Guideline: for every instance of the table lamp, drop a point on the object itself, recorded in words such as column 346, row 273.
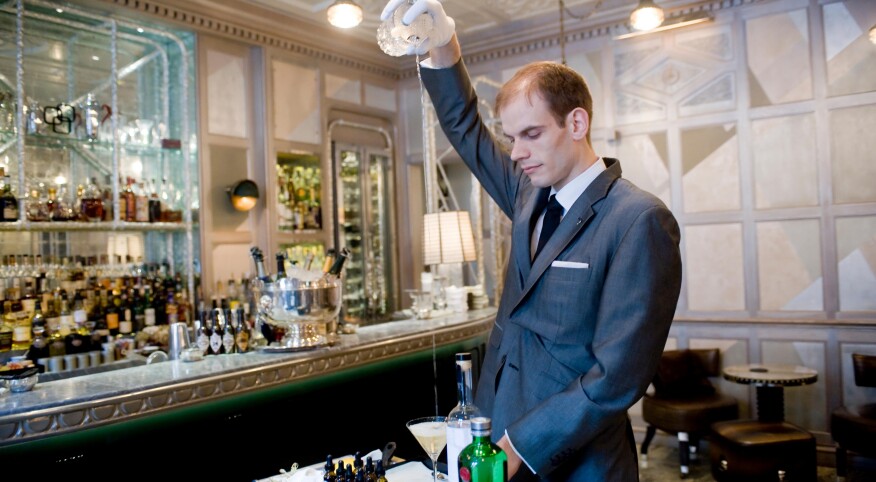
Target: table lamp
column 447, row 238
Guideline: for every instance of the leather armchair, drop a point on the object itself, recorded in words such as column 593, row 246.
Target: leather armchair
column 685, row 402
column 854, row 427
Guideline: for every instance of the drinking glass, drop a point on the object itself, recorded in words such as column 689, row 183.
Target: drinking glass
column 431, row 432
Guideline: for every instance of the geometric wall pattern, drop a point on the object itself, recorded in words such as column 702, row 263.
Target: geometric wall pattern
column 645, row 162
column 783, row 154
column 710, row 162
column 852, row 145
column 856, row 262
column 714, row 267
column 778, row 58
column 789, row 265
column 850, row 56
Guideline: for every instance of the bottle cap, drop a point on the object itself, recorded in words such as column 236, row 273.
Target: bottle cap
column 481, row 426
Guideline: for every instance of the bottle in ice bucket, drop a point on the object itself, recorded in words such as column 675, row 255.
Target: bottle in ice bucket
column 482, row 460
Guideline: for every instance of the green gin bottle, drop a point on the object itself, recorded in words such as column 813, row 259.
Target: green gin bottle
column 482, row 460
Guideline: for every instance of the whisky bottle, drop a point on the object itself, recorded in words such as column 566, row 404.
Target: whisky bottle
column 228, row 337
column 204, row 331
column 482, row 460
column 8, row 202
column 459, row 419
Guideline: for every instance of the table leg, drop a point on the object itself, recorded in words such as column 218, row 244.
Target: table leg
column 770, row 404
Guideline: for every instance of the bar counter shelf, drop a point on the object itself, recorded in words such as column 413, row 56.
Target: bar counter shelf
column 65, row 419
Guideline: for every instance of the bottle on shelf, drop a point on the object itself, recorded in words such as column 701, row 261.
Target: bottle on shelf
column 459, row 419
column 154, row 203
column 217, row 332
column 8, row 202
column 130, row 211
column 241, row 331
column 39, row 346
column 92, row 202
column 141, row 203
column 204, row 331
column 482, row 460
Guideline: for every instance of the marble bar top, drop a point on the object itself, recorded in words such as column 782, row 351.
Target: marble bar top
column 73, row 404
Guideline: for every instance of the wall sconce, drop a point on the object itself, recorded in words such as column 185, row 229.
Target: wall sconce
column 344, row 14
column 448, row 238
column 873, row 34
column 243, row 195
column 646, row 16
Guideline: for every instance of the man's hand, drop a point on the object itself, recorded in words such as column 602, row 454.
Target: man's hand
column 443, row 27
column 514, row 461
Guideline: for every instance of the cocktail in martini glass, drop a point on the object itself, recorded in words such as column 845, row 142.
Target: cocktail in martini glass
column 431, row 432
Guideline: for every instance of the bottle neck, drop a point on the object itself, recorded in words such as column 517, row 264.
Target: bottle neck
column 464, row 392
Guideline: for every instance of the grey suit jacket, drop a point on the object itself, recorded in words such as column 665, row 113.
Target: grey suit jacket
column 572, row 347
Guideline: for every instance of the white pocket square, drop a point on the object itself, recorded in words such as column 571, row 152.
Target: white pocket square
column 569, row 264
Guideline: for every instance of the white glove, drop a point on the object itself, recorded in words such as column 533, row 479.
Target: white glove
column 443, row 26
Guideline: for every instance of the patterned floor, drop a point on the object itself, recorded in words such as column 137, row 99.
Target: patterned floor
column 663, row 467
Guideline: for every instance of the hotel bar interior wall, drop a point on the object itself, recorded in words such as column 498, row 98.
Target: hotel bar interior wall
column 753, row 128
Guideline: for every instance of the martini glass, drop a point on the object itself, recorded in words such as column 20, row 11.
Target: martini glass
column 431, row 432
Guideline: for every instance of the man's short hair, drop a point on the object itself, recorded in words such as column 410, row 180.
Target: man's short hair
column 562, row 88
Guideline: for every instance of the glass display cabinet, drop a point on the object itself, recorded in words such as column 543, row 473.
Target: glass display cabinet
column 97, row 139
column 364, row 197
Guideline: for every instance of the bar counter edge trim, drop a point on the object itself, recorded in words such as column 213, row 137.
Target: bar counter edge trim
column 26, row 426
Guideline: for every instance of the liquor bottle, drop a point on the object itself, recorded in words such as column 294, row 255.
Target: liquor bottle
column 6, row 330
column 482, row 460
column 112, row 316
column 39, row 347
column 92, row 202
column 338, row 265
column 281, row 266
column 57, row 346
column 328, row 470
column 228, row 336
column 154, row 204
column 130, row 212
column 8, row 202
column 141, row 203
column 370, row 474
column 459, row 419
column 259, row 260
column 218, row 331
column 21, row 329
column 204, row 332
column 241, row 331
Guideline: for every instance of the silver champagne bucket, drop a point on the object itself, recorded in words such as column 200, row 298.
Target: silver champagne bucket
column 300, row 315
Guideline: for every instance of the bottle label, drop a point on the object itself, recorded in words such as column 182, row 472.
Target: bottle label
column 112, row 321
column 457, row 439
column 80, row 316
column 150, row 316
column 215, row 342
column 203, row 342
column 228, row 342
column 21, row 334
column 125, row 327
column 242, row 341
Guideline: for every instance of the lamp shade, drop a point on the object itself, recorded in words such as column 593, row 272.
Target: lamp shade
column 448, row 238
column 243, row 195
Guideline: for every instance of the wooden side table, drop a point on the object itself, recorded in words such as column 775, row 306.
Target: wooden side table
column 770, row 382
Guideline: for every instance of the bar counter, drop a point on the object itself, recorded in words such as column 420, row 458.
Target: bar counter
column 63, row 418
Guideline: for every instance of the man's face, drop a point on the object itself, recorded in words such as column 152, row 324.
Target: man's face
column 544, row 150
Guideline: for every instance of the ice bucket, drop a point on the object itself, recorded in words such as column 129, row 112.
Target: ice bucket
column 300, row 314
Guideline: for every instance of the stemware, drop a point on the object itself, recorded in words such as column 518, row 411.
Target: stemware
column 431, row 432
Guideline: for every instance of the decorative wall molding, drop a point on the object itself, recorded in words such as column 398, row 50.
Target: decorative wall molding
column 209, row 21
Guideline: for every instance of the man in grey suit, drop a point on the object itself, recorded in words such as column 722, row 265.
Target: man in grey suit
column 586, row 310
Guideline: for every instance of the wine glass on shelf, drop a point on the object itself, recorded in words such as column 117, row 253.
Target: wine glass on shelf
column 431, row 432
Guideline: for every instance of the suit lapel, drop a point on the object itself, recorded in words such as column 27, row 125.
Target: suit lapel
column 523, row 230
column 575, row 220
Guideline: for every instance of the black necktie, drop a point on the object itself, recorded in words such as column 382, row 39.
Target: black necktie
column 551, row 220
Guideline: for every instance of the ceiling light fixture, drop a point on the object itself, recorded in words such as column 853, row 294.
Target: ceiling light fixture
column 344, row 14
column 673, row 23
column 647, row 16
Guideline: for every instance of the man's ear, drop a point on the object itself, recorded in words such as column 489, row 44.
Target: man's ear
column 578, row 123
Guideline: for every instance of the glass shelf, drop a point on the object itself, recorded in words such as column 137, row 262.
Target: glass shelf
column 86, row 226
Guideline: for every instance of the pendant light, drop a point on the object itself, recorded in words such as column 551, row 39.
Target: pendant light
column 646, row 16
column 344, row 14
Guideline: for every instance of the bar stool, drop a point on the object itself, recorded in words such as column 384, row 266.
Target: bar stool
column 769, row 448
